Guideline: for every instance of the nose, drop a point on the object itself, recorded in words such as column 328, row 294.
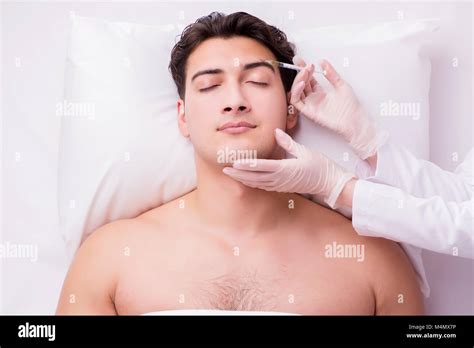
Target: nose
column 235, row 103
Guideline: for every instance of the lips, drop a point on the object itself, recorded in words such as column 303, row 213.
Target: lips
column 241, row 124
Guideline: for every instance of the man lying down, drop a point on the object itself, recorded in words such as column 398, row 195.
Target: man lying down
column 226, row 246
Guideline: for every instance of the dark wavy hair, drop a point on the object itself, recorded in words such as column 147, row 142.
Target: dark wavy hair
column 218, row 24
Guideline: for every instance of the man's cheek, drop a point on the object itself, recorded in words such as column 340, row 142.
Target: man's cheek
column 277, row 121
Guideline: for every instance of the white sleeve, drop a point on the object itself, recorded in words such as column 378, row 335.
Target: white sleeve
column 398, row 167
column 429, row 223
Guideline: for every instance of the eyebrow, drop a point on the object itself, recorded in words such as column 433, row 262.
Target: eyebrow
column 248, row 66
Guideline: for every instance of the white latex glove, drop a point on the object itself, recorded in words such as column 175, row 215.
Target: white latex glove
column 338, row 109
column 308, row 173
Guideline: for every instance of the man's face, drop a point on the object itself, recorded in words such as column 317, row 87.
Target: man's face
column 233, row 99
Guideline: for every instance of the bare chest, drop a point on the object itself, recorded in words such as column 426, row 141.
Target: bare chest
column 299, row 287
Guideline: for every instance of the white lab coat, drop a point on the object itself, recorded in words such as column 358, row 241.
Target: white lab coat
column 413, row 201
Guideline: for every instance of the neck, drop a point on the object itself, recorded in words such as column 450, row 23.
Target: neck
column 233, row 208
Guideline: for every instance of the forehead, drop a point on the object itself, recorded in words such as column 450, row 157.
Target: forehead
column 226, row 53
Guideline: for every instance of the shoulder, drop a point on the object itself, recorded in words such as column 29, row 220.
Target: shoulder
column 383, row 259
column 102, row 250
column 390, row 275
column 156, row 225
column 112, row 234
column 155, row 220
column 325, row 220
column 90, row 282
column 382, row 263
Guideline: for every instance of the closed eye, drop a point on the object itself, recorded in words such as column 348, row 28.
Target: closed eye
column 259, row 83
column 207, row 88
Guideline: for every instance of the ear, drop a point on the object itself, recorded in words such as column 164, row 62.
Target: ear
column 183, row 127
column 292, row 114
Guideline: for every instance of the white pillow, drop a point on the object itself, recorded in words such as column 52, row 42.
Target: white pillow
column 121, row 153
column 387, row 67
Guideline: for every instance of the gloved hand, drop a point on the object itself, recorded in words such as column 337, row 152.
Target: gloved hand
column 308, row 173
column 338, row 109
